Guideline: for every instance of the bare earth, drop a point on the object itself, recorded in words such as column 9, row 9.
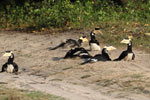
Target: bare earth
column 46, row 71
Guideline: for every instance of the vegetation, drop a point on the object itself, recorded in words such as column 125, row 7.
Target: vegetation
column 64, row 13
column 118, row 18
column 14, row 94
column 114, row 32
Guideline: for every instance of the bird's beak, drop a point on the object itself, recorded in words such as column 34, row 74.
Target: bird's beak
column 109, row 48
column 84, row 39
column 7, row 54
column 126, row 41
column 98, row 32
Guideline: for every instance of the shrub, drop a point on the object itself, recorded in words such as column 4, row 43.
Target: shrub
column 60, row 14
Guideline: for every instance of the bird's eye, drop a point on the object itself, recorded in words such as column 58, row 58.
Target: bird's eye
column 129, row 44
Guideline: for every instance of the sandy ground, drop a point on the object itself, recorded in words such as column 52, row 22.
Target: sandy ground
column 46, row 71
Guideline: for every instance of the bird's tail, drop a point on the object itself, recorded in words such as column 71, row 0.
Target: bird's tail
column 1, row 71
column 117, row 59
column 66, row 56
column 58, row 46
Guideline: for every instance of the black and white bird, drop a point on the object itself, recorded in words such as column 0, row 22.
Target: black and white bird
column 101, row 57
column 77, row 52
column 9, row 66
column 71, row 43
column 128, row 54
column 93, row 43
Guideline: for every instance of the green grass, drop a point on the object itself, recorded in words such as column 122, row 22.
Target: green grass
column 117, row 22
column 114, row 32
column 14, row 94
column 64, row 14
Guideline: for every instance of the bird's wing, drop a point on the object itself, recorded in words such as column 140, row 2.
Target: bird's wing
column 84, row 55
column 4, row 67
column 133, row 57
column 15, row 67
column 69, row 54
column 58, row 46
column 122, row 56
column 99, row 57
column 97, row 42
column 72, row 43
column 89, row 60
column 75, row 53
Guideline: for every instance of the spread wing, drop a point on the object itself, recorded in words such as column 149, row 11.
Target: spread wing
column 58, row 46
column 77, row 52
column 69, row 42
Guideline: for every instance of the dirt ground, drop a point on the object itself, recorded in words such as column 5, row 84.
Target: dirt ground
column 46, row 71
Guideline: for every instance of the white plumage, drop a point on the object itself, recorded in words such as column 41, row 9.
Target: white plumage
column 94, row 46
column 129, row 57
column 10, row 68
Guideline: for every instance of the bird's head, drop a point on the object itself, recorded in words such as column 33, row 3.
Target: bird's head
column 126, row 40
column 92, row 33
column 83, row 38
column 8, row 53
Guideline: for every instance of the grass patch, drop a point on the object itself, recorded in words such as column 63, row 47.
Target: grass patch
column 79, row 14
column 136, row 76
column 114, row 32
column 14, row 94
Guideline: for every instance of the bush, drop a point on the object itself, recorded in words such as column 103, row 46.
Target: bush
column 60, row 14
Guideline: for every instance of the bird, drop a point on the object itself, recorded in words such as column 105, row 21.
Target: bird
column 93, row 43
column 77, row 52
column 10, row 66
column 100, row 57
column 128, row 54
column 71, row 43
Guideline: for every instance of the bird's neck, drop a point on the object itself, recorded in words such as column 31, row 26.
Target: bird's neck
column 93, row 37
column 80, row 42
column 105, row 54
column 11, row 59
column 129, row 47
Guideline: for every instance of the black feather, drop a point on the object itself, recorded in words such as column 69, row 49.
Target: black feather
column 77, row 52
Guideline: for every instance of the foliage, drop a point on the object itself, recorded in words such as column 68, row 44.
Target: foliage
column 63, row 13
